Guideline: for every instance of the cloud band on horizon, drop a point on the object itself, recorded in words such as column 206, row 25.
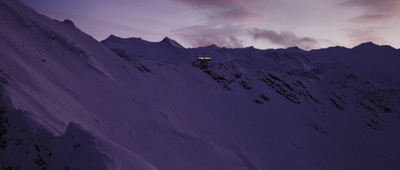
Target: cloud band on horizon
column 234, row 36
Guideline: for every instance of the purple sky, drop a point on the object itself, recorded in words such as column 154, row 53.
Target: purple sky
column 235, row 23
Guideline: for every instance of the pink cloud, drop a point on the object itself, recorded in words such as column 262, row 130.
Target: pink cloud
column 198, row 36
column 372, row 4
column 227, row 10
column 212, row 3
column 239, row 13
column 367, row 34
column 374, row 10
column 370, row 17
column 232, row 37
column 286, row 39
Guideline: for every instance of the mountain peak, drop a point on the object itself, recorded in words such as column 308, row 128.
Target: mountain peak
column 171, row 42
column 211, row 46
column 112, row 36
column 370, row 45
column 366, row 45
column 69, row 22
column 250, row 47
column 166, row 39
column 294, row 48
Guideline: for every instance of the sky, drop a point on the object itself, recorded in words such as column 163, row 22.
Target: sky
column 263, row 24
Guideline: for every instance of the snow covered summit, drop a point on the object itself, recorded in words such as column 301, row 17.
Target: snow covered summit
column 167, row 50
column 172, row 42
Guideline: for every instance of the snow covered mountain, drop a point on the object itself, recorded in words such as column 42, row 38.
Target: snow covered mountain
column 71, row 102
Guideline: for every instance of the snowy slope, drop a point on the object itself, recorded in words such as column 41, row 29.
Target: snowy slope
column 144, row 105
column 48, row 67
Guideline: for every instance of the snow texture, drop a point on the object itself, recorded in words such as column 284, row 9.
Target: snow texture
column 71, row 102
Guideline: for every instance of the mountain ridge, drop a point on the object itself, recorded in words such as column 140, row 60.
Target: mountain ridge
column 369, row 44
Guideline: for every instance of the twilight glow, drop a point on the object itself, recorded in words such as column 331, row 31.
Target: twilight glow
column 263, row 24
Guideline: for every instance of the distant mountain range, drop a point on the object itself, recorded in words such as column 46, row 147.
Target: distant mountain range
column 71, row 102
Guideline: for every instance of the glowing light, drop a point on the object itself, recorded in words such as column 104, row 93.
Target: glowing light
column 204, row 58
